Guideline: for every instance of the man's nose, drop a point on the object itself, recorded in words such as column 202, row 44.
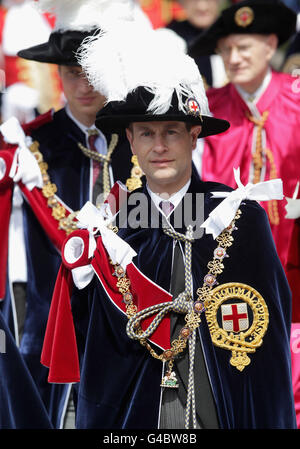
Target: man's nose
column 234, row 56
column 84, row 86
column 159, row 144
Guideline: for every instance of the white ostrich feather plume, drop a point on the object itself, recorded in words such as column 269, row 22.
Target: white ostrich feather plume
column 83, row 15
column 127, row 56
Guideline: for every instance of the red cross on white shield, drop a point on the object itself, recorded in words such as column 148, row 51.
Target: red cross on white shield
column 235, row 317
column 193, row 106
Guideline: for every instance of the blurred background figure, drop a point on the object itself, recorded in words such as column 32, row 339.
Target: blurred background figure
column 28, row 87
column 259, row 102
column 291, row 63
column 280, row 60
column 161, row 12
column 200, row 15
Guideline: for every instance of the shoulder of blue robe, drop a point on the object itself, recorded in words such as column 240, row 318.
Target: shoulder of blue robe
column 54, row 134
column 39, row 121
column 58, row 137
column 21, row 404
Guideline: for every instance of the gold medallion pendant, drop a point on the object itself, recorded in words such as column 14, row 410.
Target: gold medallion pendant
column 169, row 380
column 238, row 318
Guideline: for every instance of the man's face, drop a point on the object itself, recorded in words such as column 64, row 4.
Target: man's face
column 83, row 101
column 201, row 13
column 164, row 152
column 246, row 57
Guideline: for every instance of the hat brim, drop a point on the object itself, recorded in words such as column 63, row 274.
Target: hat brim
column 116, row 124
column 60, row 49
column 44, row 53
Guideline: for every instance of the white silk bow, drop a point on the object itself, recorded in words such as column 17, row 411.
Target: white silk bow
column 293, row 205
column 221, row 217
column 93, row 219
column 24, row 167
column 119, row 251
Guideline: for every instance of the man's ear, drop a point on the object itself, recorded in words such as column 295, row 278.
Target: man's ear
column 272, row 43
column 129, row 135
column 195, row 131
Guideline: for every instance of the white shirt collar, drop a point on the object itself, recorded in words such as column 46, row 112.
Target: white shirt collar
column 255, row 96
column 101, row 144
column 80, row 125
column 174, row 199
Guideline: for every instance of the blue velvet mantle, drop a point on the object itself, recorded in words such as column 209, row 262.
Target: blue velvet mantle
column 69, row 169
column 120, row 381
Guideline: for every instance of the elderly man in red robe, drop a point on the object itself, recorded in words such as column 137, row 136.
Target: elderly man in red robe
column 262, row 105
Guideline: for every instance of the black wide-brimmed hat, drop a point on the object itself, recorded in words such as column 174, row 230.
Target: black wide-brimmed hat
column 247, row 17
column 60, row 49
column 117, row 115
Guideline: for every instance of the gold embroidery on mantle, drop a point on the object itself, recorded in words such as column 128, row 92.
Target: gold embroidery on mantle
column 49, row 189
column 209, row 300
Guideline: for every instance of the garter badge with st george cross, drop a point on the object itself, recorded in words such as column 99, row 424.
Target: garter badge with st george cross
column 193, row 107
column 238, row 318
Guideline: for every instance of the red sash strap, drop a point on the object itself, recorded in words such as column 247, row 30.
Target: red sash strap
column 117, row 196
column 43, row 213
column 145, row 293
column 6, row 190
column 35, row 199
column 59, row 351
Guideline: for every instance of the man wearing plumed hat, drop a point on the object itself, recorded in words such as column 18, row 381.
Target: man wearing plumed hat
column 180, row 307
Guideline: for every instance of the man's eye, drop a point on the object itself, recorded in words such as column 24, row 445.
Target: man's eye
column 243, row 47
column 74, row 73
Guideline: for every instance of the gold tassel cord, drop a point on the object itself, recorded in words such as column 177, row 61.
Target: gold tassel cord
column 258, row 163
column 66, row 222
column 103, row 159
column 132, row 183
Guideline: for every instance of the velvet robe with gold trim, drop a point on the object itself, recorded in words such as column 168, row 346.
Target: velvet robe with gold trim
column 120, row 381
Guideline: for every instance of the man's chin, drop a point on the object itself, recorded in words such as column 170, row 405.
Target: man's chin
column 164, row 174
column 90, row 109
column 240, row 78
